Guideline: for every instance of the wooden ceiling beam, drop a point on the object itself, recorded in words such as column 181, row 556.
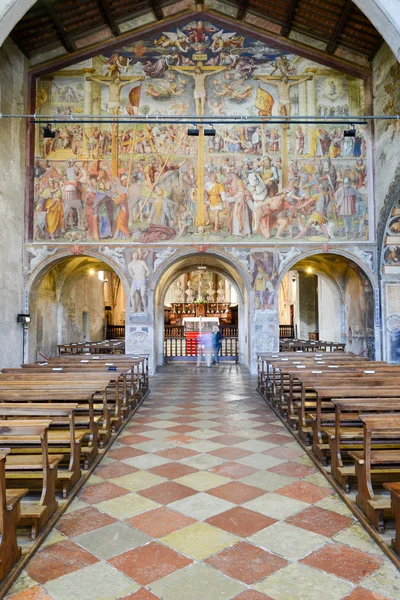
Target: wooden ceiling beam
column 109, row 17
column 289, row 18
column 66, row 42
column 156, row 8
column 333, row 42
column 242, row 10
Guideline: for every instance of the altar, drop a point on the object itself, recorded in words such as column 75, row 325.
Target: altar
column 191, row 330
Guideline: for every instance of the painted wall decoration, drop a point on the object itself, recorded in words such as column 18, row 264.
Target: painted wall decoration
column 152, row 183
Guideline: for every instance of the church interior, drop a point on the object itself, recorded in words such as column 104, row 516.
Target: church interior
column 200, row 300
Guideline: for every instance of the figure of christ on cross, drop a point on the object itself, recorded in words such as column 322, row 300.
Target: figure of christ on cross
column 115, row 84
column 283, row 84
column 199, row 74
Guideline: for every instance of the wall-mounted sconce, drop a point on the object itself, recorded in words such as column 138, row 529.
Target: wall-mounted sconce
column 23, row 318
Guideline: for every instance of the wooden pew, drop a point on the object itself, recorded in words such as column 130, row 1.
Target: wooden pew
column 32, row 470
column 394, row 489
column 98, row 382
column 347, row 434
column 10, row 513
column 98, row 430
column 61, row 440
column 325, row 394
column 377, row 466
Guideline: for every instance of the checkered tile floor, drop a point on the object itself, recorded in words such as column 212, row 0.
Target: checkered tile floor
column 206, row 495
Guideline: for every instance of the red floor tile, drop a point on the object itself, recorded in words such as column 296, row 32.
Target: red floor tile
column 230, row 453
column 139, row 429
column 149, row 563
column 293, row 469
column 361, row 593
column 172, row 470
column 281, row 451
column 122, row 453
column 252, row 595
column 233, row 470
column 32, row 593
column 241, row 521
column 167, row 492
column 117, row 469
column 319, row 520
column 304, row 491
column 278, row 439
column 344, row 562
column 182, row 428
column 142, row 594
column 246, row 562
column 177, row 453
column 57, row 560
column 229, row 439
column 83, row 520
column 269, row 428
column 99, row 492
column 226, row 428
column 130, row 440
column 160, row 522
column 236, row 492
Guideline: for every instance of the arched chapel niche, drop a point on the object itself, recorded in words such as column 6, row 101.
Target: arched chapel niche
column 331, row 295
column 71, row 300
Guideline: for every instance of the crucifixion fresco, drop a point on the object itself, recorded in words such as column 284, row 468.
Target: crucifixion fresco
column 152, row 183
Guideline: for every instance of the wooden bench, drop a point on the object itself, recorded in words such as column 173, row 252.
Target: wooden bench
column 10, row 513
column 31, row 470
column 63, row 439
column 348, row 388
column 377, row 466
column 394, row 489
column 347, row 433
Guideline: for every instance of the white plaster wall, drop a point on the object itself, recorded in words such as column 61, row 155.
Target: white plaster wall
column 328, row 312
column 13, row 68
column 44, row 321
column 85, row 295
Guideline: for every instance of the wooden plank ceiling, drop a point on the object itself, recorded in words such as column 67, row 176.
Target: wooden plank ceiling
column 332, row 26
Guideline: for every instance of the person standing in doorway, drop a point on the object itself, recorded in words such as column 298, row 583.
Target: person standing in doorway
column 206, row 343
column 217, row 343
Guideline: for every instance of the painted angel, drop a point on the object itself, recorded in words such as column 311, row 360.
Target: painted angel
column 222, row 41
column 116, row 65
column 170, row 39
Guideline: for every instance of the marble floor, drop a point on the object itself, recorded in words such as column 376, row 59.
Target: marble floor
column 206, row 496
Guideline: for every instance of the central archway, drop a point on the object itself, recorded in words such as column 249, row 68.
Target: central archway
column 218, row 261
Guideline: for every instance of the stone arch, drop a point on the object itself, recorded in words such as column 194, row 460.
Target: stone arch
column 363, row 271
column 78, row 269
column 220, row 261
column 34, row 278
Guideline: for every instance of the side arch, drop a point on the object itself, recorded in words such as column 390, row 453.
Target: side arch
column 371, row 287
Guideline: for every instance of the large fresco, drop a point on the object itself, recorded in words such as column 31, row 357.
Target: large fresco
column 152, row 183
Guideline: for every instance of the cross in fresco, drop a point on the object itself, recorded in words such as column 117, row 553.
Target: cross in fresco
column 200, row 72
column 283, row 85
column 115, row 84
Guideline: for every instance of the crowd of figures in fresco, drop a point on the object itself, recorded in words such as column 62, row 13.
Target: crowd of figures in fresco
column 142, row 182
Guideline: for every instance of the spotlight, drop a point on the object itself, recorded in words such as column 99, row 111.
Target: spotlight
column 350, row 132
column 47, row 132
column 309, row 270
column 193, row 131
column 209, row 130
